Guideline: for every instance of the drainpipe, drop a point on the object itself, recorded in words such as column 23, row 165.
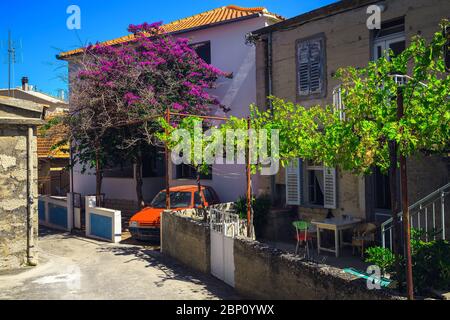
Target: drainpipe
column 270, row 92
column 72, row 193
column 269, row 67
column 30, row 199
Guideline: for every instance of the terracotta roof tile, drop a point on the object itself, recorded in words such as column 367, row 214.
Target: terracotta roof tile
column 46, row 141
column 208, row 18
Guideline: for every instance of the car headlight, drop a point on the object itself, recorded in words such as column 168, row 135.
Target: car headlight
column 134, row 224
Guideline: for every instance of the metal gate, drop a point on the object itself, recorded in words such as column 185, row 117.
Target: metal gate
column 225, row 226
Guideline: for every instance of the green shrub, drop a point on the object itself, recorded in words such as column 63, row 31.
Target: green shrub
column 241, row 207
column 430, row 262
column 382, row 257
column 261, row 208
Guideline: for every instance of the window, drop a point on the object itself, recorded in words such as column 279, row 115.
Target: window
column 177, row 200
column 315, row 183
column 198, row 201
column 203, row 50
column 208, row 196
column 311, row 76
column 310, row 184
column 184, row 171
column 124, row 169
column 382, row 190
column 153, row 165
column 391, row 36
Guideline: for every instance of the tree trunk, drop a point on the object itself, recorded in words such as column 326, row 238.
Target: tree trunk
column 394, row 205
column 139, row 181
column 98, row 180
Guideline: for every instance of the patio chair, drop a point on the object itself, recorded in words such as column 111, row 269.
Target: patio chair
column 363, row 235
column 303, row 235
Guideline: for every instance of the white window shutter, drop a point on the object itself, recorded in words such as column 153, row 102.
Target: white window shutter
column 329, row 176
column 294, row 173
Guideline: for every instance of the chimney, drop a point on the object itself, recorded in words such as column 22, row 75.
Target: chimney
column 25, row 83
column 62, row 94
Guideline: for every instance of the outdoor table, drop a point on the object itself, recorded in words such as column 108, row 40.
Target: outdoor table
column 338, row 225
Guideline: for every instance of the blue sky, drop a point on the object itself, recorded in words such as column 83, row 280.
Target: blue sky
column 40, row 27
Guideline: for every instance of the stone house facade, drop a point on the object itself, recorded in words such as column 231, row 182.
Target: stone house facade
column 337, row 36
column 18, row 181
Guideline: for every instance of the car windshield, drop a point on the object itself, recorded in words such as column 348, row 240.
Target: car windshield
column 177, row 200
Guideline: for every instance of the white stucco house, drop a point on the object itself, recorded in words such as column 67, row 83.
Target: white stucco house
column 219, row 37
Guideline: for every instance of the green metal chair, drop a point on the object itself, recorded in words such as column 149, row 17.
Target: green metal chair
column 302, row 229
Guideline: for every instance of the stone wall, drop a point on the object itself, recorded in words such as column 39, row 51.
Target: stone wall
column 187, row 241
column 262, row 272
column 13, row 195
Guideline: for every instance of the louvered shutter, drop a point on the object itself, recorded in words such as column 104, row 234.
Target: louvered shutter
column 315, row 66
column 303, row 68
column 329, row 176
column 310, row 66
column 294, row 174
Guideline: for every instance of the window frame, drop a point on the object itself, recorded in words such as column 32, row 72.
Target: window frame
column 306, row 176
column 385, row 42
column 319, row 36
column 390, row 37
column 203, row 43
column 179, row 167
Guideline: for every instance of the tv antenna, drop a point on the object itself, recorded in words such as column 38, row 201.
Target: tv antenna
column 12, row 53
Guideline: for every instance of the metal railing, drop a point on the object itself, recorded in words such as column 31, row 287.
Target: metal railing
column 427, row 214
column 337, row 102
column 227, row 223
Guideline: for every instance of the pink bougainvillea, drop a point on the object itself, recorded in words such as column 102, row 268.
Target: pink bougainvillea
column 151, row 72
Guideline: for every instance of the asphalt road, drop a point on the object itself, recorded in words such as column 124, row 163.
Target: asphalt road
column 76, row 268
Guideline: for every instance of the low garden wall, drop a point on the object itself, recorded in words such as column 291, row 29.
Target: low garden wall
column 262, row 272
column 101, row 223
column 186, row 240
column 53, row 212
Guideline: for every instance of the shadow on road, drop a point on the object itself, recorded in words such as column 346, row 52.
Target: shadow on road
column 150, row 254
column 171, row 269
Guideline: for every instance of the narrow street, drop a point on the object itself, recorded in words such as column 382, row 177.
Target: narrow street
column 75, row 268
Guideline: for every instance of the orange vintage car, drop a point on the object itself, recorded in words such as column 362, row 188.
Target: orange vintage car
column 145, row 225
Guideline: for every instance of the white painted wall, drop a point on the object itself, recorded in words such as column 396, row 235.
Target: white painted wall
column 230, row 54
column 115, row 188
